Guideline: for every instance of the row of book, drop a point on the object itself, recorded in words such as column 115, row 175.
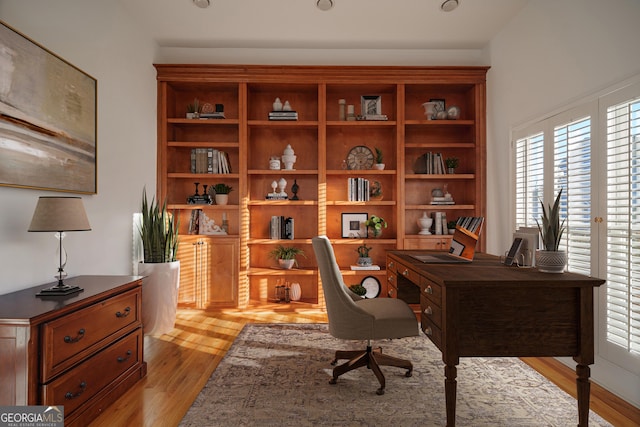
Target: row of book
column 440, row 223
column 358, row 190
column 281, row 227
column 471, row 223
column 430, row 163
column 283, row 115
column 209, row 160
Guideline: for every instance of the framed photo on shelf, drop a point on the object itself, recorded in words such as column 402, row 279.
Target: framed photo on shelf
column 353, row 225
column 371, row 105
column 440, row 104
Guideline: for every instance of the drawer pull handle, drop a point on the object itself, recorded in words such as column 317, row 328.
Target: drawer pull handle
column 391, row 264
column 428, row 310
column 70, row 340
column 428, row 290
column 405, row 272
column 390, row 293
column 68, row 395
column 390, row 279
column 124, row 359
column 428, row 331
column 127, row 311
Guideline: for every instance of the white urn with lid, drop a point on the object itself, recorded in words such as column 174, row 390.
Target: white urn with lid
column 424, row 222
column 288, row 157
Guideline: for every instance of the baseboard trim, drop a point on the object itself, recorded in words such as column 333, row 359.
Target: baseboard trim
column 612, row 408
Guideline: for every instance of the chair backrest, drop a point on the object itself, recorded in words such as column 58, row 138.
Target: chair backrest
column 346, row 319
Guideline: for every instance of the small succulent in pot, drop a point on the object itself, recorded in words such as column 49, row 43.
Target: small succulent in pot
column 551, row 229
column 287, row 253
column 222, row 188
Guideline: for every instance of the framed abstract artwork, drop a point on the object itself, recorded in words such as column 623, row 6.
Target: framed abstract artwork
column 353, row 225
column 48, row 114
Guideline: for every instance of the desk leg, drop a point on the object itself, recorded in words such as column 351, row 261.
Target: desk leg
column 450, row 384
column 583, row 391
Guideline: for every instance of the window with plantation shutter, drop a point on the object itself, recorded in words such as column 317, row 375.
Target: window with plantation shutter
column 623, row 226
column 529, row 179
column 572, row 174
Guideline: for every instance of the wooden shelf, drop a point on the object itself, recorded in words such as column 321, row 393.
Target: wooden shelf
column 321, row 142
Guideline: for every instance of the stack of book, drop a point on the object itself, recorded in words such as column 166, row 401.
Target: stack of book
column 283, row 115
column 442, row 200
column 358, row 190
column 214, row 115
column 209, row 160
column 281, row 228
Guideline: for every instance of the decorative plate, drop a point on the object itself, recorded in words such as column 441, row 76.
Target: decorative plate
column 372, row 285
column 360, row 157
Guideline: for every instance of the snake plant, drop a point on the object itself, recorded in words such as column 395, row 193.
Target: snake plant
column 551, row 229
column 158, row 231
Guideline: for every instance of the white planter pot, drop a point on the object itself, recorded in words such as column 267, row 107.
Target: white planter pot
column 551, row 261
column 379, row 166
column 159, row 296
column 296, row 291
column 286, row 264
column 222, row 199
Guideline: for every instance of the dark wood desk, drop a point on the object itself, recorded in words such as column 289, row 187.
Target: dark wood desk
column 486, row 309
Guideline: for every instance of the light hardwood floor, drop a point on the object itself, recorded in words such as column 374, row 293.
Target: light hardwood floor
column 180, row 363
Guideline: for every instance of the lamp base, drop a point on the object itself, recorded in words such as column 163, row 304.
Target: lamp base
column 58, row 290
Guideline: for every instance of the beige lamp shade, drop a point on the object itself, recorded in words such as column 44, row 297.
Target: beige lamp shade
column 59, row 214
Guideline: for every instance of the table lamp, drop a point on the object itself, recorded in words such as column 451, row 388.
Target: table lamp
column 60, row 214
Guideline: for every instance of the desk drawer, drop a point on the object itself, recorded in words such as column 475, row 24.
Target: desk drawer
column 431, row 311
column 431, row 330
column 431, row 291
column 81, row 383
column 391, row 265
column 407, row 273
column 67, row 340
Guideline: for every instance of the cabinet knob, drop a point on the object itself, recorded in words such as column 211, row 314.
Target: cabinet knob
column 390, row 292
column 405, row 272
column 390, row 279
column 428, row 331
column 391, row 264
column 428, row 311
column 124, row 359
column 428, row 290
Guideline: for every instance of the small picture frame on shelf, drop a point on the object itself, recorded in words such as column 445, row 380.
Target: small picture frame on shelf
column 353, row 225
column 371, row 105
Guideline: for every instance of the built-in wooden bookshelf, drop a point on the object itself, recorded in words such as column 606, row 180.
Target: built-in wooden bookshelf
column 321, row 141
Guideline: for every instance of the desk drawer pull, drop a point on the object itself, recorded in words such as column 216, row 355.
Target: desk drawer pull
column 405, row 272
column 390, row 279
column 391, row 265
column 69, row 395
column 428, row 290
column 78, row 337
column 428, row 311
column 127, row 311
column 124, row 359
column 390, row 293
column 428, row 331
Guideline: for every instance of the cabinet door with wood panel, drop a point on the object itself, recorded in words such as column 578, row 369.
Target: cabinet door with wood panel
column 208, row 271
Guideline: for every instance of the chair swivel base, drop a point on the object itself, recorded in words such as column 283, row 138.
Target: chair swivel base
column 372, row 359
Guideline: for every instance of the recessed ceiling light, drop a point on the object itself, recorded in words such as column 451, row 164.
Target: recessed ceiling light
column 324, row 4
column 449, row 5
column 201, row 3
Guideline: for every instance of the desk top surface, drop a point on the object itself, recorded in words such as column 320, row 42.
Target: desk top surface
column 486, row 270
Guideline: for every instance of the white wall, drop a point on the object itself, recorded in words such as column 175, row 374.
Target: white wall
column 552, row 54
column 100, row 39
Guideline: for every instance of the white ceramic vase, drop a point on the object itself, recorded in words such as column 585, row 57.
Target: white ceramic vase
column 424, row 222
column 296, row 292
column 286, row 264
column 222, row 199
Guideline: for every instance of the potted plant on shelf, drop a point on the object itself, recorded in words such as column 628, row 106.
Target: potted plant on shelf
column 364, row 259
column 193, row 110
column 158, row 231
column 286, row 256
column 379, row 159
column 551, row 259
column 451, row 226
column 375, row 224
column 221, row 193
column 452, row 164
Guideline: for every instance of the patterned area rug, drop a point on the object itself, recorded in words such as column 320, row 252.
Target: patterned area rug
column 278, row 375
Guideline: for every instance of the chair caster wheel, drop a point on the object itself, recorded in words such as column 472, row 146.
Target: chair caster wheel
column 333, row 362
column 408, row 374
column 333, row 381
column 380, row 391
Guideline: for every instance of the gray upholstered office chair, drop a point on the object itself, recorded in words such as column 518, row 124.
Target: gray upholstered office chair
column 354, row 318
